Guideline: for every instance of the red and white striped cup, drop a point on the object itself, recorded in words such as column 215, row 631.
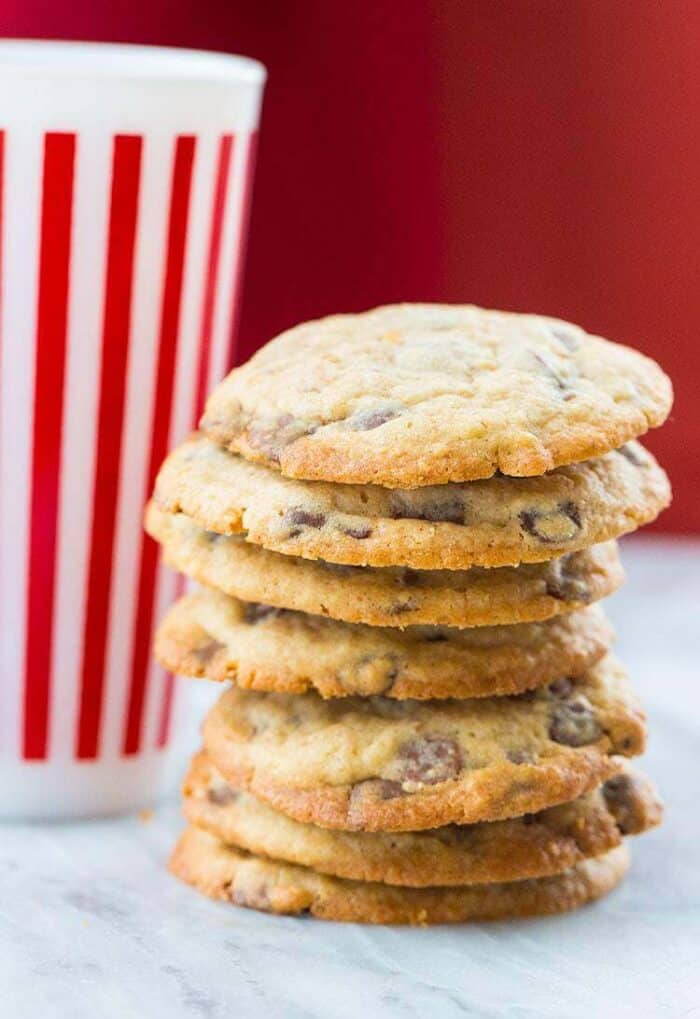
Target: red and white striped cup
column 125, row 176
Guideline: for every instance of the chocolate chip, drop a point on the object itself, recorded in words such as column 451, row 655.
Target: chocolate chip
column 527, row 696
column 552, row 526
column 464, row 835
column 435, row 636
column 409, row 577
column 564, row 583
column 222, row 795
column 631, row 454
column 574, row 724
column 519, row 756
column 298, row 517
column 446, row 511
column 550, row 372
column 569, row 340
column 371, row 418
column 619, row 796
column 561, row 687
column 375, row 789
column 205, row 652
column 341, row 568
column 254, row 612
column 359, row 532
column 428, row 760
column 272, row 436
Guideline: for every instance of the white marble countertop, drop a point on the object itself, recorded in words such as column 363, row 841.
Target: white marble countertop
column 91, row 925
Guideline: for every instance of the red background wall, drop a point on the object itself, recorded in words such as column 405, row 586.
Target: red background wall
column 530, row 155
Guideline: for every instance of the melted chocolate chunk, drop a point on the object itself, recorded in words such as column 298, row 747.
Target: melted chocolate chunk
column 375, row 789
column 409, row 577
column 444, row 511
column 619, row 796
column 574, row 724
column 428, row 760
column 551, row 374
column 563, row 582
column 519, row 756
column 435, row 637
column 552, row 526
column 360, row 532
column 525, row 695
column 213, row 537
column 271, row 437
column 368, row 420
column 205, row 652
column 561, row 687
column 254, row 612
column 299, row 518
column 222, row 795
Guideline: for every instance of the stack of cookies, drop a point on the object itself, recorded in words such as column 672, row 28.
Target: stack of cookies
column 403, row 522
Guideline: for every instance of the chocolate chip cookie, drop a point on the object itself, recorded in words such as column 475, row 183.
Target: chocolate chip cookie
column 500, row 521
column 388, row 596
column 377, row 764
column 209, row 634
column 536, row 845
column 230, row 875
column 411, row 395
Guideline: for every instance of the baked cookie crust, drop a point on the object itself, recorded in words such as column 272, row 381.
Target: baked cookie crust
column 418, row 394
column 500, row 521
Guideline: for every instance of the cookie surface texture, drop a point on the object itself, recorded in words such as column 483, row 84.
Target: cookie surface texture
column 386, row 596
column 497, row 522
column 536, row 845
column 380, row 765
column 211, row 635
column 411, row 395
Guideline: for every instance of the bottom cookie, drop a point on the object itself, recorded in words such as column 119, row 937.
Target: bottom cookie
column 232, row 875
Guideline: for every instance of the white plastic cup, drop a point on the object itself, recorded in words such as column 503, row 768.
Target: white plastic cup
column 125, row 176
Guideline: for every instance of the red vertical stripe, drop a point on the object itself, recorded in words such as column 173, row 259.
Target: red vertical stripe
column 211, row 281
column 126, row 170
column 239, row 263
column 51, row 330
column 166, row 707
column 212, row 269
column 165, row 382
column 218, row 212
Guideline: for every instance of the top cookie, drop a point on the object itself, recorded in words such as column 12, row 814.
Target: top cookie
column 411, row 395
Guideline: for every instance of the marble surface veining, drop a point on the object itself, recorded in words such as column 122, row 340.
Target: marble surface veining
column 91, row 925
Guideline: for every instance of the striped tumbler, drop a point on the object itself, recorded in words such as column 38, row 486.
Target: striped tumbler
column 125, row 177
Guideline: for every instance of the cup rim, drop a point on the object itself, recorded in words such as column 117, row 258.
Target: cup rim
column 126, row 61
